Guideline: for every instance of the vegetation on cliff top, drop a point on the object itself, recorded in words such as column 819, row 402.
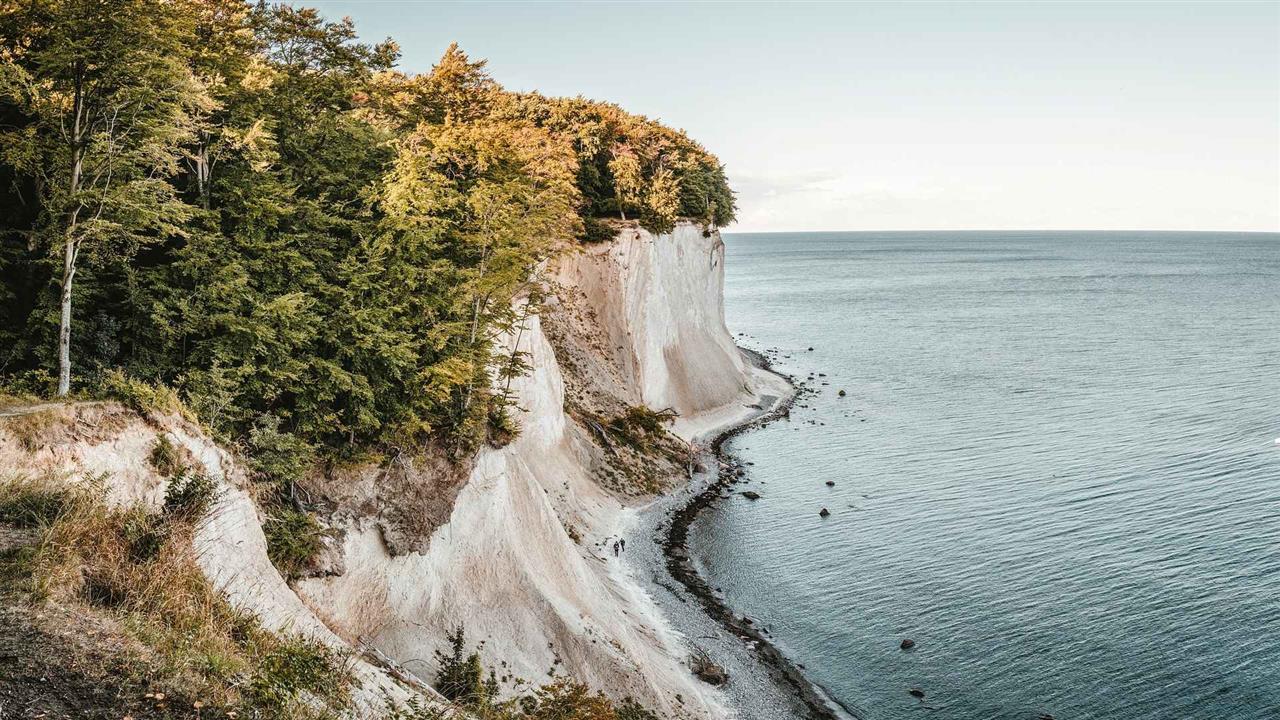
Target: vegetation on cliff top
column 244, row 202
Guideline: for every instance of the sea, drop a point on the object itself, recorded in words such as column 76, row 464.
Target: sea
column 1054, row 468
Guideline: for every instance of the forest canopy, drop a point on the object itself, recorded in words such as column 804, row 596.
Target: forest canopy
column 247, row 204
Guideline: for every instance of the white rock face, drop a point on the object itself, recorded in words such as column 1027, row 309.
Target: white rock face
column 505, row 564
column 661, row 301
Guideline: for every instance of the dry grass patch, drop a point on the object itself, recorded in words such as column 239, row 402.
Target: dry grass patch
column 35, row 430
column 136, row 566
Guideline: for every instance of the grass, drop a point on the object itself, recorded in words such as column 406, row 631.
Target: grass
column 137, row 567
column 33, row 430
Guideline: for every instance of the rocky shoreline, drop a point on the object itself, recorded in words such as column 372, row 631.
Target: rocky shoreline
column 674, row 543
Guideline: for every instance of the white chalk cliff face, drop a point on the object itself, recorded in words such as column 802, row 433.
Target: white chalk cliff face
column 660, row 302
column 505, row 564
column 524, row 561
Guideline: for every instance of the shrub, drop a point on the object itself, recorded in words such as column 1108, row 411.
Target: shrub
column 137, row 394
column 164, row 456
column 566, row 699
column 629, row 709
column 28, row 387
column 278, row 457
column 639, row 426
column 298, row 665
column 294, row 539
column 596, row 230
column 461, row 677
column 190, row 495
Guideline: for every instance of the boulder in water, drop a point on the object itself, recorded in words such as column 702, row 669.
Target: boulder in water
column 916, row 693
column 907, row 643
column 824, row 512
column 751, row 494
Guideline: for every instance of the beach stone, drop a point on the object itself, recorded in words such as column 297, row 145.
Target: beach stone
column 907, row 644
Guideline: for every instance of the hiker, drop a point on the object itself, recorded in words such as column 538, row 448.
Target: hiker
column 615, row 548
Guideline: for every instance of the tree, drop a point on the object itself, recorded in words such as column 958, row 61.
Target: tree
column 111, row 98
column 489, row 201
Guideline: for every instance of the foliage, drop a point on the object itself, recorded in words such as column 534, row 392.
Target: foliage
column 294, row 666
column 164, row 456
column 462, row 678
column 639, row 426
column 190, row 495
column 139, row 395
column 294, row 539
column 244, row 210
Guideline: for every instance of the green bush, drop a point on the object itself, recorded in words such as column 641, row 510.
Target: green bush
column 295, row 666
column 142, row 396
column 639, row 426
column 164, row 456
column 629, row 709
column 190, row 495
column 277, row 457
column 294, row 539
column 462, row 677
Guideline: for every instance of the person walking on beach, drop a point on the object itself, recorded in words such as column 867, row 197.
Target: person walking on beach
column 615, row 548
column 622, row 542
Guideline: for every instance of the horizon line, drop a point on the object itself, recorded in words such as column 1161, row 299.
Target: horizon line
column 918, row 230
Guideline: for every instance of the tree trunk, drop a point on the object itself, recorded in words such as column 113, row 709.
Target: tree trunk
column 69, row 253
column 64, row 330
column 204, row 171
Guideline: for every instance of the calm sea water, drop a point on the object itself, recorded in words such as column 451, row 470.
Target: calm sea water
column 1055, row 470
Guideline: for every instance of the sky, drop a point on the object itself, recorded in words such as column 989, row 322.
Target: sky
column 915, row 116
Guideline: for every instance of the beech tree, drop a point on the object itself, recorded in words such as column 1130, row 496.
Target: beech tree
column 110, row 98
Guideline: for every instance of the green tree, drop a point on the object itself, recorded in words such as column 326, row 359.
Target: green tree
column 111, row 100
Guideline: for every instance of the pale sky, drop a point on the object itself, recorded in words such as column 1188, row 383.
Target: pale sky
column 867, row 116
